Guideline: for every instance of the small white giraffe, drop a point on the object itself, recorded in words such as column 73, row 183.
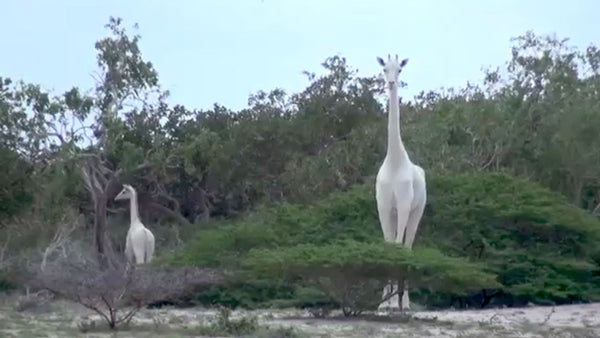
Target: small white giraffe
column 139, row 244
column 400, row 187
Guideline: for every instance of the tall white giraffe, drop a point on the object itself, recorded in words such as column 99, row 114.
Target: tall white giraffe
column 400, row 187
column 139, row 244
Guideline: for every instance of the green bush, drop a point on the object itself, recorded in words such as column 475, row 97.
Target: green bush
column 353, row 273
column 427, row 268
column 249, row 293
column 539, row 247
column 15, row 182
column 345, row 215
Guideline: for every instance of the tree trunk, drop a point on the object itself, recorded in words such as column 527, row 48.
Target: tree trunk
column 174, row 214
column 577, row 191
column 100, row 229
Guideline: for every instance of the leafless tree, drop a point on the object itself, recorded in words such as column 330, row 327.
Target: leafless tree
column 116, row 292
column 61, row 239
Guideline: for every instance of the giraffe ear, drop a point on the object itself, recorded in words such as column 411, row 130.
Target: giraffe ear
column 403, row 62
column 380, row 60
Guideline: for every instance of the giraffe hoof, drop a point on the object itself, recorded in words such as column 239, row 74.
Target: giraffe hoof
column 397, row 310
column 389, row 309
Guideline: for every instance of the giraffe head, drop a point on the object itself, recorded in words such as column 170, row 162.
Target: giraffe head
column 126, row 193
column 391, row 69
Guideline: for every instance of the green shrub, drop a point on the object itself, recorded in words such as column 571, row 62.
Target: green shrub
column 347, row 215
column 540, row 248
column 353, row 273
column 15, row 183
column 247, row 293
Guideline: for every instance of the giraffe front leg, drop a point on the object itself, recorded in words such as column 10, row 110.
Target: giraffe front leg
column 387, row 219
column 405, row 297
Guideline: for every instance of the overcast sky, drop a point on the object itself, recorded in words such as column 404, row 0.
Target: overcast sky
column 223, row 50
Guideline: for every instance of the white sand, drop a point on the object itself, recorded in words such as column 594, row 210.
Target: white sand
column 560, row 321
column 581, row 315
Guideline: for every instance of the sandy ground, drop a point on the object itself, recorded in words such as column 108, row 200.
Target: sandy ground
column 61, row 319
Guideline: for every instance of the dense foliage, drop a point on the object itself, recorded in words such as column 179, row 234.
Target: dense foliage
column 540, row 246
column 294, row 170
column 535, row 246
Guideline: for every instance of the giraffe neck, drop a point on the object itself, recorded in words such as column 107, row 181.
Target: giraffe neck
column 395, row 147
column 133, row 207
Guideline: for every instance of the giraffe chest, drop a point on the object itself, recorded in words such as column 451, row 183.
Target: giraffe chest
column 390, row 173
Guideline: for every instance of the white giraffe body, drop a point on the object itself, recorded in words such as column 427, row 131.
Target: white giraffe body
column 139, row 243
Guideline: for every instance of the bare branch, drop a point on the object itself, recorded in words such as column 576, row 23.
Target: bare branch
column 549, row 315
column 596, row 210
column 117, row 174
column 60, row 239
column 57, row 135
column 176, row 215
column 98, row 172
column 108, row 291
column 129, row 315
column 87, row 180
column 169, row 198
column 116, row 210
column 91, row 307
column 3, row 261
column 492, row 158
column 83, row 127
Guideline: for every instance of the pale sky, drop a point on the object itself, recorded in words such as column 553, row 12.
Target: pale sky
column 224, row 50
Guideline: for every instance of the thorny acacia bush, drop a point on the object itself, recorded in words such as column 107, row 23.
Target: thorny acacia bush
column 119, row 291
column 353, row 273
column 536, row 245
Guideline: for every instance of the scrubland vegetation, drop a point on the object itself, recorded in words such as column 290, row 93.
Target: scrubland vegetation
column 277, row 199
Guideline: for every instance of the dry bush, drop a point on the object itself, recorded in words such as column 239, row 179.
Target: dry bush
column 31, row 238
column 32, row 300
column 119, row 291
column 67, row 266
